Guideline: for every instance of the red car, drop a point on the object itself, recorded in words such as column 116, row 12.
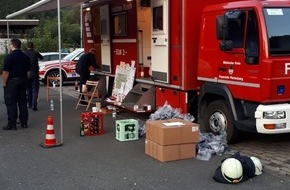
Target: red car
column 68, row 65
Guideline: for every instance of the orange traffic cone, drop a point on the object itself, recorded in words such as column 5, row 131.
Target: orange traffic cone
column 50, row 136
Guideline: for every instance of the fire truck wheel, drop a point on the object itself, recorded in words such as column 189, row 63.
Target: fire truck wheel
column 53, row 73
column 218, row 118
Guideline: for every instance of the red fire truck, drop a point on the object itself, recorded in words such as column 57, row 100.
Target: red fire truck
column 226, row 62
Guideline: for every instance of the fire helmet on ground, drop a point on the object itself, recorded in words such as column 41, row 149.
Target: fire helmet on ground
column 258, row 165
column 232, row 170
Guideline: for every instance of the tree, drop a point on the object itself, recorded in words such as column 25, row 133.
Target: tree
column 7, row 6
column 45, row 36
column 47, row 31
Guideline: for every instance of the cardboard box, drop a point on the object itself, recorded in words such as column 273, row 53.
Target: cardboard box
column 179, row 131
column 170, row 152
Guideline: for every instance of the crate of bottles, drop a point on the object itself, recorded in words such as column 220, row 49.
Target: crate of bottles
column 92, row 123
column 127, row 130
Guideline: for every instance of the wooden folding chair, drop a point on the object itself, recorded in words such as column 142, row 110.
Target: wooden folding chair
column 86, row 98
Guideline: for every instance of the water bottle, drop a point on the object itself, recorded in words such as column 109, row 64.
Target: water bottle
column 51, row 105
column 82, row 129
column 114, row 113
column 76, row 85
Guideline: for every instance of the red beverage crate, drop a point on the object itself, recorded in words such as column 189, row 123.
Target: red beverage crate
column 93, row 123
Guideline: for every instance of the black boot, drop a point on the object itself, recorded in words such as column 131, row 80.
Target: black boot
column 10, row 128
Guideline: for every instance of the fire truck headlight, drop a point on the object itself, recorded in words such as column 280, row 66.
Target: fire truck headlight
column 274, row 115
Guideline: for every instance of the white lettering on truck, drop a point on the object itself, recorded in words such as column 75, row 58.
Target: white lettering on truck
column 231, row 63
column 287, row 68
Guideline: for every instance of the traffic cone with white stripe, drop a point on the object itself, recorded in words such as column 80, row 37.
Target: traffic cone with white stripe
column 50, row 136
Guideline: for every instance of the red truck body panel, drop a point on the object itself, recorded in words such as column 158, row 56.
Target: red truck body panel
column 174, row 98
column 185, row 26
column 125, row 48
column 194, row 54
column 261, row 80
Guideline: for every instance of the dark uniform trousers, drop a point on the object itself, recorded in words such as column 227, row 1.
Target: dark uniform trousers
column 15, row 95
column 84, row 76
column 32, row 92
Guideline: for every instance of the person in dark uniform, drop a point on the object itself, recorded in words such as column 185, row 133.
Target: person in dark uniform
column 33, row 80
column 86, row 61
column 15, row 74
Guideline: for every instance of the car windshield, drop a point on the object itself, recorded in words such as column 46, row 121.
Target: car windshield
column 72, row 55
column 278, row 30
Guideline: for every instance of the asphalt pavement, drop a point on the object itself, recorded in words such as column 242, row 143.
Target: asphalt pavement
column 99, row 162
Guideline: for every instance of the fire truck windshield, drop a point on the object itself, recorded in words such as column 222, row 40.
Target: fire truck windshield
column 278, row 30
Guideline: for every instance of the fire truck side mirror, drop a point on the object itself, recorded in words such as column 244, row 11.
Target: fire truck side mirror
column 222, row 27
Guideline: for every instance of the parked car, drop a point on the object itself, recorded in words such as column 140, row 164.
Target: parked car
column 68, row 64
column 51, row 56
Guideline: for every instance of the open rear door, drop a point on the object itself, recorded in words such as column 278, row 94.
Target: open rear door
column 159, row 45
column 105, row 38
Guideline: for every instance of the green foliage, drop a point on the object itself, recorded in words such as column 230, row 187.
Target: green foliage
column 7, row 6
column 45, row 36
column 44, row 40
column 1, row 62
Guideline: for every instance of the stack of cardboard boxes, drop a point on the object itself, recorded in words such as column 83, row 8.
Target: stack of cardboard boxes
column 172, row 139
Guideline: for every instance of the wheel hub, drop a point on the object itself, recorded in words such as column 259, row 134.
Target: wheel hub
column 217, row 122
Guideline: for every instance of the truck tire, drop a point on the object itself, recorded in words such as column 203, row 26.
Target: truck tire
column 219, row 117
column 53, row 73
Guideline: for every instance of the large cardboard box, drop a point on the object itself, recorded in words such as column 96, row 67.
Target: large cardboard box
column 172, row 131
column 170, row 152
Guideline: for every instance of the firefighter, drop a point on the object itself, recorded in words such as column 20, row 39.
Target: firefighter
column 33, row 81
column 86, row 61
column 15, row 74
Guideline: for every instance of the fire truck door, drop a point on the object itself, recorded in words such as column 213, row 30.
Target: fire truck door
column 105, row 38
column 159, row 43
